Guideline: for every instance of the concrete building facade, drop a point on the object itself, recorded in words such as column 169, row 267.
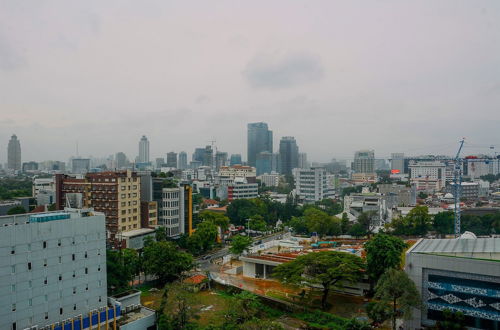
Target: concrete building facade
column 14, row 154
column 52, row 269
column 310, row 184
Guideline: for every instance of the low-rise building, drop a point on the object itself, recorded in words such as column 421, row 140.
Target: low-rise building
column 468, row 190
column 310, row 184
column 459, row 275
column 270, row 179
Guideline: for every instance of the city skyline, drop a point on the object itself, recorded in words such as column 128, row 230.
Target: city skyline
column 338, row 77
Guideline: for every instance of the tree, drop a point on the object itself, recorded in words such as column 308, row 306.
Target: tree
column 444, row 223
column 327, row 269
column 344, row 223
column 321, row 223
column 257, row 223
column 329, row 206
column 239, row 244
column 357, row 230
column 16, row 210
column 161, row 234
column 395, row 287
column 165, row 261
column 244, row 307
column 365, row 219
column 132, row 261
column 419, row 220
column 240, row 210
column 117, row 273
column 217, row 219
column 203, row 239
column 378, row 312
column 452, row 320
column 383, row 252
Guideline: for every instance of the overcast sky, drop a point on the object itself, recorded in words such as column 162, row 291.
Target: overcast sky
column 394, row 76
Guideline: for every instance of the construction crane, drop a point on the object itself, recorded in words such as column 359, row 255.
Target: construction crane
column 457, row 180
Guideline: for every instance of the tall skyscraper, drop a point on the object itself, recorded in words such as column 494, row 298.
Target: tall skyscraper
column 143, row 150
column 364, row 161
column 260, row 139
column 182, row 162
column 208, row 156
column 220, row 159
column 198, row 155
column 303, row 160
column 14, row 154
column 289, row 154
column 398, row 162
column 264, row 163
column 172, row 159
column 235, row 160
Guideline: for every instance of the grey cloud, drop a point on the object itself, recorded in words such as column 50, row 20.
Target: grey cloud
column 10, row 58
column 282, row 70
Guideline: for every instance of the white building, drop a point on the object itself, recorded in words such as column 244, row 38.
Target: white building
column 171, row 211
column 431, row 174
column 237, row 171
column 270, row 179
column 52, row 269
column 45, row 187
column 310, row 184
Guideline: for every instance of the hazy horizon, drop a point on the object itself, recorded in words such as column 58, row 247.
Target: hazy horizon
column 339, row 76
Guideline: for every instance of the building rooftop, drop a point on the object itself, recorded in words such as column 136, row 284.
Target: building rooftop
column 137, row 232
column 464, row 245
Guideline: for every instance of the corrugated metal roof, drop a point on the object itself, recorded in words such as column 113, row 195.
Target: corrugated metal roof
column 478, row 245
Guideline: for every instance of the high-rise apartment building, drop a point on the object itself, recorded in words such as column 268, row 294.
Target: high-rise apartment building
column 143, row 150
column 364, row 161
column 80, row 165
column 199, row 155
column 310, row 184
column 175, row 208
column 116, row 194
column 289, row 154
column 264, row 163
column 220, row 159
column 14, row 154
column 120, row 160
column 398, row 162
column 54, row 271
column 235, row 160
column 172, row 159
column 303, row 163
column 208, row 157
column 259, row 139
column 182, row 162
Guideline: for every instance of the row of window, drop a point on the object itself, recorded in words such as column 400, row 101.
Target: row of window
column 130, row 195
column 59, row 244
column 134, row 218
column 134, row 210
column 13, row 268
column 130, row 227
column 134, row 187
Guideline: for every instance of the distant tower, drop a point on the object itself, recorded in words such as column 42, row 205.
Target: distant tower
column 289, row 154
column 235, row 159
column 143, row 150
column 182, row 161
column 14, row 154
column 172, row 159
column 120, row 160
column 260, row 139
column 364, row 161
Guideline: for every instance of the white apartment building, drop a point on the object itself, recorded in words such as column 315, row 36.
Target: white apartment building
column 310, row 184
column 237, row 171
column 423, row 172
column 270, row 179
column 171, row 215
column 53, row 270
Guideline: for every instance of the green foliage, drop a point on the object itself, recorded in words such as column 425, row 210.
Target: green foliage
column 203, row 239
column 416, row 222
column 15, row 187
column 349, row 190
column 378, row 311
column 396, row 288
column 422, row 195
column 357, row 230
column 161, row 234
column 16, row 210
column 344, row 223
column 118, row 273
column 216, row 218
column 299, row 225
column 132, row 261
column 181, row 317
column 51, row 207
column 481, row 225
column 452, row 320
column 329, row 206
column 318, row 319
column 242, row 209
column 383, row 252
column 444, row 223
column 321, row 223
column 491, row 177
column 239, row 244
column 327, row 269
column 164, row 260
column 365, row 219
column 257, row 223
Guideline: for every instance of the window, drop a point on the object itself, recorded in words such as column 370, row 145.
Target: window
column 87, row 287
column 30, row 302
column 99, row 268
column 29, row 265
column 100, row 283
column 60, row 260
column 98, row 252
column 13, row 307
column 74, row 273
column 14, row 326
column 100, row 298
column 59, row 243
column 60, row 311
column 74, row 290
column 86, row 270
column 85, row 254
column 73, row 257
column 13, row 250
column 46, row 315
column 45, row 281
column 44, row 262
column 44, row 244
column 29, row 246
column 60, row 277
column 74, row 307
column 13, row 287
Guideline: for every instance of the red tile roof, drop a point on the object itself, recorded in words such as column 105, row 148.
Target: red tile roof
column 195, row 279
